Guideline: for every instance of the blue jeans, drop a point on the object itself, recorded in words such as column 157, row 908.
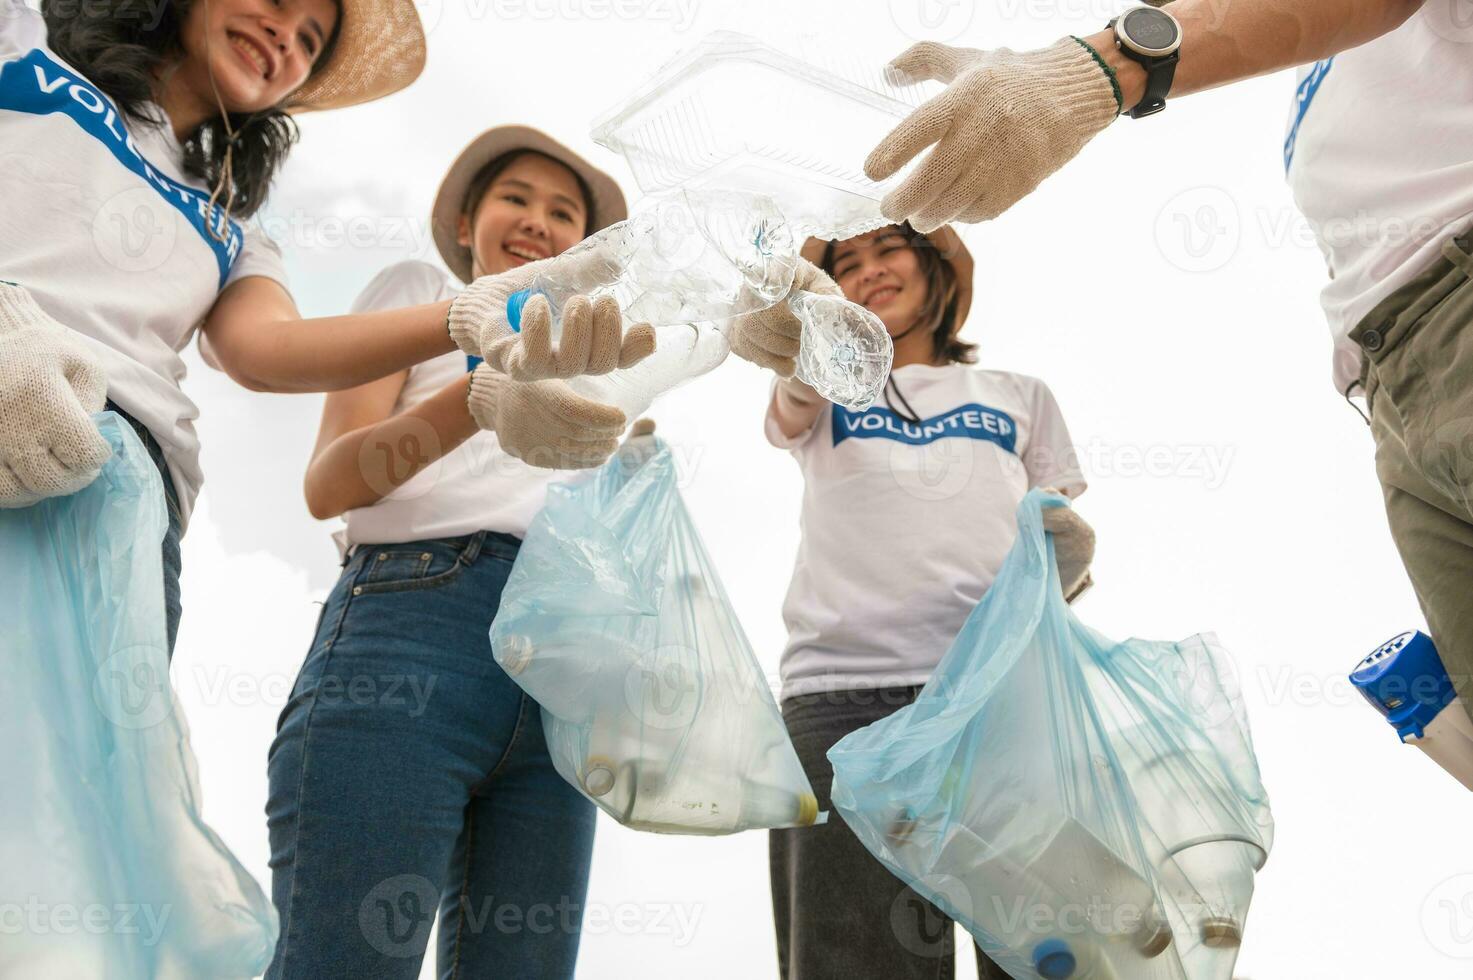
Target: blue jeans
column 173, row 563
column 410, row 775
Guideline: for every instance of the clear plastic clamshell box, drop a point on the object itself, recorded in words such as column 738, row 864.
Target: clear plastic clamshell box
column 735, row 113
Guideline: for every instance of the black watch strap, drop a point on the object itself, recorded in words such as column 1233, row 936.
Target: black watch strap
column 1159, row 73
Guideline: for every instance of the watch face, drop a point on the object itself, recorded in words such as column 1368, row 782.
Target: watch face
column 1150, row 30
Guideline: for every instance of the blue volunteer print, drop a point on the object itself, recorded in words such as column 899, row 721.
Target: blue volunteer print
column 40, row 86
column 472, row 362
column 1308, row 89
column 971, row 421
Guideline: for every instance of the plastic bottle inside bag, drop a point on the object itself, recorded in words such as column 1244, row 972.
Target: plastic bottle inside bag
column 696, row 258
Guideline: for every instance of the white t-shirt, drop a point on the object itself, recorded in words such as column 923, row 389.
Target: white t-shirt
column 103, row 228
column 476, row 487
column 904, row 527
column 1379, row 155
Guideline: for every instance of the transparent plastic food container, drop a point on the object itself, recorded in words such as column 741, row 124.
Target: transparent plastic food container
column 735, row 113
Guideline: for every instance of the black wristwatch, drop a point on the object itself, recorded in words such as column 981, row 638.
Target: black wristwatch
column 1151, row 38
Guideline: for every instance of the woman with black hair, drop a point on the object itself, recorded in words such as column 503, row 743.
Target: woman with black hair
column 908, row 512
column 470, row 821
column 137, row 136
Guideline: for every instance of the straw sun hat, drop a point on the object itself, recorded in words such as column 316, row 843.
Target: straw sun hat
column 608, row 199
column 379, row 50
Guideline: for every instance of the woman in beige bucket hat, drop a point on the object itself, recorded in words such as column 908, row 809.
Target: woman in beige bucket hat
column 908, row 510
column 468, row 810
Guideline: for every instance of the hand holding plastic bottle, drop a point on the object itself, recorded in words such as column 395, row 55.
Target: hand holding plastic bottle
column 771, row 338
column 593, row 339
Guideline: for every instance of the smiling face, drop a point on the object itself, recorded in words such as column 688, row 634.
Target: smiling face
column 880, row 271
column 258, row 51
column 531, row 210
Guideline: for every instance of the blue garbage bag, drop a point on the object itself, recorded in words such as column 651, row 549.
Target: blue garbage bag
column 107, row 868
column 614, row 620
column 1084, row 808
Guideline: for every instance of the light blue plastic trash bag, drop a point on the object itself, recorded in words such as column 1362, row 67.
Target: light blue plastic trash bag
column 655, row 708
column 106, row 869
column 1085, row 808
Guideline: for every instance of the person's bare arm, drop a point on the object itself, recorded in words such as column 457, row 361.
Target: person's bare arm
column 795, row 406
column 364, row 452
column 258, row 338
column 1224, row 41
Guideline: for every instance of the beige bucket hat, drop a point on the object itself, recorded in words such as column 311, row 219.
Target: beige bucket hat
column 951, row 247
column 608, row 199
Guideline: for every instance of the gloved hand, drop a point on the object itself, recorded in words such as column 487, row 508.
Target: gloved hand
column 544, row 423
column 592, row 342
column 50, row 385
column 1006, row 121
column 770, row 338
column 1074, row 548
column 639, row 445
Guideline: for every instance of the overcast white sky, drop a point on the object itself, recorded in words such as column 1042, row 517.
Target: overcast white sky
column 1162, row 285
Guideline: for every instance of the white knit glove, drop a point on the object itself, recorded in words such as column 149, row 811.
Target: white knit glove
column 593, row 340
column 544, row 423
column 1074, row 548
column 770, row 338
column 1006, row 121
column 50, row 385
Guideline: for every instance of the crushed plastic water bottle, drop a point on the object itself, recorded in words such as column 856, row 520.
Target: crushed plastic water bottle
column 690, row 260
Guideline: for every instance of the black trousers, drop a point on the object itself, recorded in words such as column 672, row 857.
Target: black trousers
column 839, row 912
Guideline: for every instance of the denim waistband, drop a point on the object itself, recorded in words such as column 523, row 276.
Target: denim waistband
column 465, row 548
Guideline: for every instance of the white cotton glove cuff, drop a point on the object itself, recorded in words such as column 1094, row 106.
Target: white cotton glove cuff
column 478, row 315
column 544, row 423
column 51, row 384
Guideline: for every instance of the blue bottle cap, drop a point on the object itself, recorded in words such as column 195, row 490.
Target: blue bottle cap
column 1405, row 680
column 1054, row 960
column 514, row 304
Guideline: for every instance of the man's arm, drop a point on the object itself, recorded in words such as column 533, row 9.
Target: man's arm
column 1224, row 41
column 1009, row 119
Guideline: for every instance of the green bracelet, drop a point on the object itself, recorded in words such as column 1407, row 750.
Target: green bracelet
column 1114, row 82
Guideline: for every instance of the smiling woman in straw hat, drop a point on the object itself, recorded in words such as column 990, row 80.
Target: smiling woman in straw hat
column 139, row 136
column 908, row 511
column 468, row 813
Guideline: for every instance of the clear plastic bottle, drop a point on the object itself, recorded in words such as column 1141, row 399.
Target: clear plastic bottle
column 695, row 258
